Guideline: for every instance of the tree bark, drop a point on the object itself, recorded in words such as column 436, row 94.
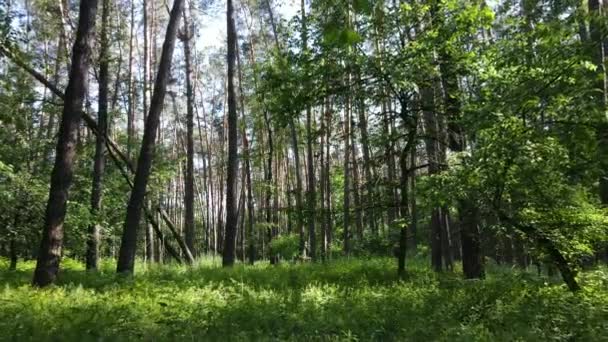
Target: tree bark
column 405, row 213
column 598, row 56
column 347, row 150
column 367, row 170
column 92, row 255
column 232, row 167
column 117, row 156
column 49, row 255
column 428, row 106
column 189, row 177
column 126, row 259
column 298, row 172
column 472, row 258
column 247, row 170
column 12, row 247
column 131, row 93
column 311, row 182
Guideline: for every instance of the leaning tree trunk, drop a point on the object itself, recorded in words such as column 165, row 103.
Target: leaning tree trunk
column 232, row 167
column 128, row 247
column 49, row 255
column 92, row 257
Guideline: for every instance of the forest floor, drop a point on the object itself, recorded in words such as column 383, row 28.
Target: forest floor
column 357, row 299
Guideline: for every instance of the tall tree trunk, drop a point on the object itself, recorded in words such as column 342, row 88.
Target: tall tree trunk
column 131, row 93
column 50, row 132
column 126, row 259
column 92, row 257
column 367, row 170
column 390, row 165
column 598, row 56
column 470, row 237
column 431, row 132
column 49, row 254
column 298, row 172
column 347, row 150
column 189, row 177
column 413, row 205
column 232, row 166
column 247, row 170
column 12, row 244
column 405, row 213
column 356, row 195
column 328, row 217
column 311, row 182
column 323, row 176
column 150, row 243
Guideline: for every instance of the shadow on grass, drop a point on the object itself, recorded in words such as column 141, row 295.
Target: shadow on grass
column 342, row 300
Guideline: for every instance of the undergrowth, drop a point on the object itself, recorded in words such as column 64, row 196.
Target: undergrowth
column 345, row 300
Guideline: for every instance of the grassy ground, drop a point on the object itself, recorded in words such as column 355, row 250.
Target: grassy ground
column 344, row 300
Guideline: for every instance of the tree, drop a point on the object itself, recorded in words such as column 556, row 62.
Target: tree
column 100, row 144
column 49, row 255
column 126, row 258
column 232, row 166
column 189, row 177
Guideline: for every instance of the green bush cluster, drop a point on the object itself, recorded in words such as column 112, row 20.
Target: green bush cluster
column 343, row 300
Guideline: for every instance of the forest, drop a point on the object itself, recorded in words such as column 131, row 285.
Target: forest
column 331, row 170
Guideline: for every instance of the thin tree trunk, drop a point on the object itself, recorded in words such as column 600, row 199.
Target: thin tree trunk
column 413, row 204
column 50, row 132
column 311, row 182
column 131, row 93
column 92, row 255
column 346, row 205
column 12, row 245
column 356, row 195
column 12, row 254
column 298, row 172
column 128, row 246
column 405, row 213
column 118, row 157
column 369, row 195
column 428, row 106
column 189, row 177
column 247, row 170
column 390, row 165
column 323, row 176
column 328, row 216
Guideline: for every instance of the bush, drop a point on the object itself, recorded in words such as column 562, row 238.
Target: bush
column 285, row 246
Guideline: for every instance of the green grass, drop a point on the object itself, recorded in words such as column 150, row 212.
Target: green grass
column 344, row 300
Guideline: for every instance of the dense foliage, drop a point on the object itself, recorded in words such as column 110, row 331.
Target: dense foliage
column 343, row 300
column 467, row 139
